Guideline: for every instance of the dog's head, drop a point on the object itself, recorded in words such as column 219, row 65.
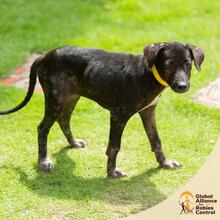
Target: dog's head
column 173, row 62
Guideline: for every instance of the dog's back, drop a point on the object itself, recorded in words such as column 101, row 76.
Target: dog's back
column 93, row 73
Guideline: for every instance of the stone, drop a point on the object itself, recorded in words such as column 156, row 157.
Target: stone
column 209, row 95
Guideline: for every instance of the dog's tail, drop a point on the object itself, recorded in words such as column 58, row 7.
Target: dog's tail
column 32, row 83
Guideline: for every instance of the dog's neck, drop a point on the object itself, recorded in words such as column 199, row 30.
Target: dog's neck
column 156, row 86
column 158, row 77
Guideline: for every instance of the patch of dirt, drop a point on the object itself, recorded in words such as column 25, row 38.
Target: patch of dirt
column 209, row 95
column 20, row 75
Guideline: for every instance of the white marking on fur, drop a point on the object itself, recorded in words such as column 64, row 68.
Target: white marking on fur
column 154, row 102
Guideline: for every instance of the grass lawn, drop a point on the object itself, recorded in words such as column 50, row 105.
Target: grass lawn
column 78, row 188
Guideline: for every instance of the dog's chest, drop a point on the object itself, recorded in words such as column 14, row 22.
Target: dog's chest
column 154, row 102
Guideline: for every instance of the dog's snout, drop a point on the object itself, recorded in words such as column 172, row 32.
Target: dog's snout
column 180, row 87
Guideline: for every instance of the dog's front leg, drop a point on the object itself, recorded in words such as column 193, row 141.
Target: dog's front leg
column 149, row 122
column 117, row 124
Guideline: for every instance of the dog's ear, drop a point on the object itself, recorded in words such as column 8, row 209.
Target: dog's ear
column 151, row 51
column 197, row 54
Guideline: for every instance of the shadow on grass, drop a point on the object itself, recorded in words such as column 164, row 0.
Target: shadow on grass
column 63, row 184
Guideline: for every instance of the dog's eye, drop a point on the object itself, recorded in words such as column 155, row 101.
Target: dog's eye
column 187, row 62
column 169, row 63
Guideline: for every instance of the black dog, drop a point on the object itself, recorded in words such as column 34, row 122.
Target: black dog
column 122, row 83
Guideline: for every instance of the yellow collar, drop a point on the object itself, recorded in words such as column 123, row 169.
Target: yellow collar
column 157, row 76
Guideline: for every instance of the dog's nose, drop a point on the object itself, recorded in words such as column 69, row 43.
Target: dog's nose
column 182, row 86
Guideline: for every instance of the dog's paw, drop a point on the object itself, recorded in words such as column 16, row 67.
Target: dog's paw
column 78, row 143
column 116, row 174
column 171, row 164
column 46, row 165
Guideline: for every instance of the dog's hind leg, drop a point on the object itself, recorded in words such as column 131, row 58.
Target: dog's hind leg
column 50, row 116
column 64, row 121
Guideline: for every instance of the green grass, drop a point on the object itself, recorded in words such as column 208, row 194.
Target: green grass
column 78, row 187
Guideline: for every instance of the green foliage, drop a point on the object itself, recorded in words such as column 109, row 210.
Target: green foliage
column 78, row 187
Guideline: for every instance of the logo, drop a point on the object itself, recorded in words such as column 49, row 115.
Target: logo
column 199, row 204
column 186, row 201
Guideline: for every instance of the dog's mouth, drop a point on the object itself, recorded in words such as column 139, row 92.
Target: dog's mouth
column 180, row 87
